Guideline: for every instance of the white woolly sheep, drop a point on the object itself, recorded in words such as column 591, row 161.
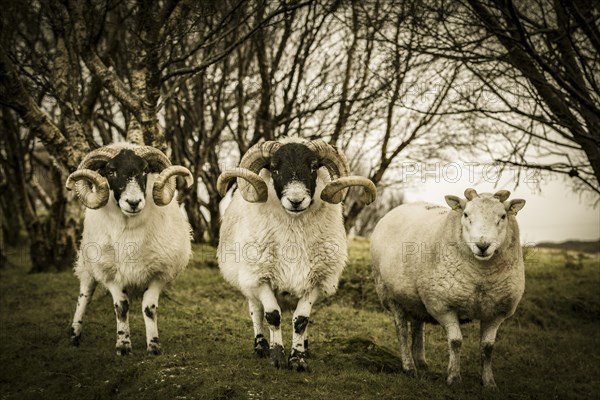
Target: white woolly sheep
column 135, row 238
column 283, row 235
column 433, row 264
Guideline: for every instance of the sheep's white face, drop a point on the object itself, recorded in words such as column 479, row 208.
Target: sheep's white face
column 484, row 222
column 127, row 174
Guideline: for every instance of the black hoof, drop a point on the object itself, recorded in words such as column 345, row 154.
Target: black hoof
column 278, row 356
column 297, row 361
column 75, row 340
column 155, row 351
column 154, row 347
column 123, row 349
column 261, row 346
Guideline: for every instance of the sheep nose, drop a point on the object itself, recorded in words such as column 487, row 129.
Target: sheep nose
column 483, row 247
column 296, row 204
column 133, row 203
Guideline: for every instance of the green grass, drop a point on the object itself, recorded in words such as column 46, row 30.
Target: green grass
column 549, row 350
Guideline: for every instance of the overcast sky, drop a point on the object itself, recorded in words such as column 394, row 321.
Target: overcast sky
column 556, row 214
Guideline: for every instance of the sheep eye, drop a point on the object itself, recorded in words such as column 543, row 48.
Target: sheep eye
column 112, row 173
column 504, row 216
column 466, row 215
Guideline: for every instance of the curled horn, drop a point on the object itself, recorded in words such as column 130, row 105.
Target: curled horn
column 252, row 187
column 260, row 192
column 164, row 186
column 155, row 158
column 334, row 161
column 470, row 194
column 502, row 195
column 84, row 180
column 259, row 155
column 338, row 168
column 331, row 190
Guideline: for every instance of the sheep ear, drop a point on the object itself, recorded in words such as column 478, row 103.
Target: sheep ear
column 455, row 202
column 514, row 206
column 502, row 195
column 470, row 194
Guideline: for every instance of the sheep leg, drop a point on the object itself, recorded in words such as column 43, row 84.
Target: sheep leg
column 261, row 345
column 273, row 316
column 400, row 321
column 150, row 311
column 418, row 343
column 300, row 319
column 488, row 330
column 121, row 303
column 86, row 291
column 452, row 327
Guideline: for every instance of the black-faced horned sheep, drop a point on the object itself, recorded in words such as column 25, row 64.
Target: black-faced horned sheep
column 135, row 238
column 434, row 264
column 283, row 233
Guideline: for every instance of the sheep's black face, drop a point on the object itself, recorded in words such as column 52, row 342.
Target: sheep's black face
column 294, row 170
column 126, row 175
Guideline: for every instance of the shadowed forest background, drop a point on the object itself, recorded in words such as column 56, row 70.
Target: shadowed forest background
column 387, row 82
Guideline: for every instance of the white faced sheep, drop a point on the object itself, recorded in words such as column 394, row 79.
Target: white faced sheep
column 283, row 234
column 433, row 264
column 135, row 238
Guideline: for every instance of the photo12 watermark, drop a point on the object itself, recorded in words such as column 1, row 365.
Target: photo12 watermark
column 473, row 172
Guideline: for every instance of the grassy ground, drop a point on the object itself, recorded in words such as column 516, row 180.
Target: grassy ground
column 549, row 350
